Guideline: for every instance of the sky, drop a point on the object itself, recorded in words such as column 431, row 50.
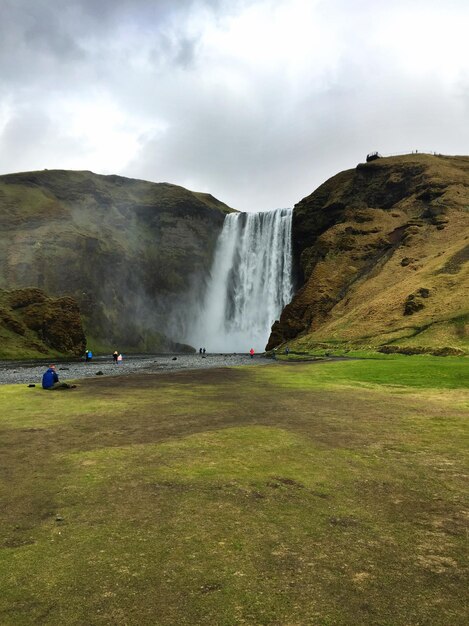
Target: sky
column 254, row 101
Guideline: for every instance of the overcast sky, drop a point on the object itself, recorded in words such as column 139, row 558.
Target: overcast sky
column 255, row 101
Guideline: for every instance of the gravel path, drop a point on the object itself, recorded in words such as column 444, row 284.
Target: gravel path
column 30, row 372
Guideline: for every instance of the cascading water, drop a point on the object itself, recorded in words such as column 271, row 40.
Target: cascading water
column 250, row 283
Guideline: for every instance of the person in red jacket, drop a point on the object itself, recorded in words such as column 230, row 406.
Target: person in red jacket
column 251, row 352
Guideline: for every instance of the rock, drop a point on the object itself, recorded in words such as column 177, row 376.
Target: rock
column 24, row 297
column 100, row 373
column 42, row 324
column 413, row 302
column 423, row 292
column 412, row 305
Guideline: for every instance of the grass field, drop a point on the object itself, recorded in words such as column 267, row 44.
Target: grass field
column 294, row 493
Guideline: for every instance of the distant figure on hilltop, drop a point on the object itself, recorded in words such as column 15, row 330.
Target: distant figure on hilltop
column 119, row 359
column 203, row 351
column 251, row 352
column 115, row 354
column 200, row 350
column 88, row 355
column 50, row 380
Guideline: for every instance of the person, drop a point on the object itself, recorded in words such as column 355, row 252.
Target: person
column 203, row 351
column 119, row 359
column 251, row 352
column 287, row 350
column 88, row 355
column 50, row 380
column 200, row 350
column 115, row 354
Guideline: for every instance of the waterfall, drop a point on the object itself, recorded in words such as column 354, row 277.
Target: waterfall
column 250, row 282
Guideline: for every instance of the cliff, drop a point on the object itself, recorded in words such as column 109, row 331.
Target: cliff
column 34, row 325
column 381, row 254
column 129, row 252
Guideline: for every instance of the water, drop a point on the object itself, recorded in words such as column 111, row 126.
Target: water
column 250, row 283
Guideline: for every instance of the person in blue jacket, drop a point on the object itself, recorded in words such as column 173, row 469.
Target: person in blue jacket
column 50, row 380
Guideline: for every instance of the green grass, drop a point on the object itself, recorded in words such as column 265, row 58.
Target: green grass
column 373, row 369
column 323, row 493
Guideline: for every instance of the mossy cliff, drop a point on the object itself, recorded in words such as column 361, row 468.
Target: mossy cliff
column 128, row 251
column 33, row 325
column 381, row 254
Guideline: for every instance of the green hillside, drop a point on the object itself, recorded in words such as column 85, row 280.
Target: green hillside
column 382, row 252
column 130, row 252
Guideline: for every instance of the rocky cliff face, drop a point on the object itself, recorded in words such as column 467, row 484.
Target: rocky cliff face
column 32, row 325
column 381, row 253
column 129, row 252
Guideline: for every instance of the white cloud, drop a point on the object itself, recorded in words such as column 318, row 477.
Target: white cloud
column 108, row 137
column 256, row 101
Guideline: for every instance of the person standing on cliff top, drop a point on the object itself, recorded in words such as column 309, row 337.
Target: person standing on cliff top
column 251, row 352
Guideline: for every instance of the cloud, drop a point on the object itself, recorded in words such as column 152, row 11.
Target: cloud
column 255, row 101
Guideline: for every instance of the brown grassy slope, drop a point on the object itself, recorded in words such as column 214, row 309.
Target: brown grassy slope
column 383, row 251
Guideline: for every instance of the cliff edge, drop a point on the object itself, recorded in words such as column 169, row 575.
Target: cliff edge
column 381, row 254
column 130, row 253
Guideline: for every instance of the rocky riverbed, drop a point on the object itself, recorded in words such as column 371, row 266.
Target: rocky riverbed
column 30, row 372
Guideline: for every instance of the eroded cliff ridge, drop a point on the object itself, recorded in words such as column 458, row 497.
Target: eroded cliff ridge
column 381, row 253
column 130, row 252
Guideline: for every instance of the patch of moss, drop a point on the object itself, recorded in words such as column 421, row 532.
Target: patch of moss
column 32, row 325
